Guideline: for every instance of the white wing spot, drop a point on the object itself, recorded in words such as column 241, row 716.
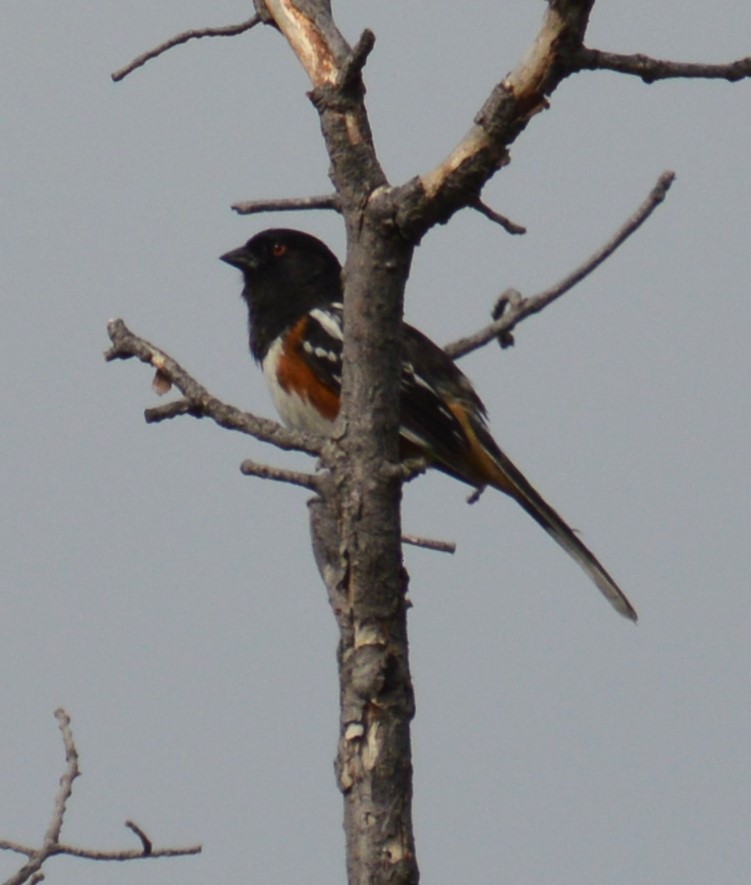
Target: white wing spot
column 328, row 322
column 324, row 354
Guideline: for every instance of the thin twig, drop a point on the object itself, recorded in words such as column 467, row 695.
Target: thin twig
column 170, row 410
column 279, row 474
column 509, row 226
column 288, row 204
column 651, row 69
column 524, row 307
column 430, row 544
column 126, row 345
column 195, row 34
column 147, row 844
column 51, row 845
column 66, row 781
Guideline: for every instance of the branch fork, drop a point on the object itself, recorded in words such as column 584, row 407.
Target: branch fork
column 31, row 872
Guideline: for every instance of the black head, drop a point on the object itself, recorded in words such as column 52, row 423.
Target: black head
column 286, row 273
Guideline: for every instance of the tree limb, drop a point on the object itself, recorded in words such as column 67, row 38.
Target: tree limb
column 509, row 226
column 197, row 401
column 171, row 410
column 652, row 69
column 148, row 848
column 51, row 845
column 433, row 197
column 288, row 204
column 63, row 848
column 279, row 474
column 512, row 308
column 195, row 34
column 430, row 543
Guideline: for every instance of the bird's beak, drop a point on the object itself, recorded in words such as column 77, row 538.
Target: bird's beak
column 239, row 258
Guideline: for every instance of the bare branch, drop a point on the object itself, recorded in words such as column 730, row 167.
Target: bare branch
column 512, row 308
column 145, row 841
column 51, row 845
column 265, row 471
column 352, row 69
column 458, row 180
column 652, row 69
column 66, row 781
column 509, row 226
column 94, row 854
column 197, row 400
column 430, row 544
column 9, row 845
column 195, row 34
column 171, row 410
column 52, row 836
column 335, row 71
column 288, row 204
column 126, row 853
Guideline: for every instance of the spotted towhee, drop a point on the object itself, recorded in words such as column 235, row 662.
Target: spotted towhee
column 293, row 290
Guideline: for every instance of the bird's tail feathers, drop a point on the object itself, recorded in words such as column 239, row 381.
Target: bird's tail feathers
column 507, row 478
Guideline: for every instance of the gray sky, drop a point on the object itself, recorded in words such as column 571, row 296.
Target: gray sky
column 144, row 585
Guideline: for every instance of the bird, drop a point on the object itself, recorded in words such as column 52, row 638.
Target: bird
column 294, row 295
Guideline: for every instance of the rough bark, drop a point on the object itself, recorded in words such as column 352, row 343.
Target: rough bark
column 356, row 524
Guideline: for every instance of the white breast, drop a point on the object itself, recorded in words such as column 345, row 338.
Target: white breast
column 296, row 411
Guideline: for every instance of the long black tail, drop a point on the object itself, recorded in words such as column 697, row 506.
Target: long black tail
column 511, row 481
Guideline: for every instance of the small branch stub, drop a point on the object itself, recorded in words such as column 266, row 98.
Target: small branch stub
column 430, row 544
column 509, row 226
column 145, row 841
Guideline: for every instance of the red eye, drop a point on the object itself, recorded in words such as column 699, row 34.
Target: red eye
column 278, row 249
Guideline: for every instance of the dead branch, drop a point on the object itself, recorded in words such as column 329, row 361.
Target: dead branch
column 351, row 70
column 195, row 34
column 145, row 841
column 313, row 37
column 279, row 474
column 652, row 69
column 66, row 781
column 95, row 854
column 430, row 543
column 512, row 308
column 197, row 401
column 170, row 410
column 288, row 204
column 458, row 180
column 51, row 845
column 509, row 226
